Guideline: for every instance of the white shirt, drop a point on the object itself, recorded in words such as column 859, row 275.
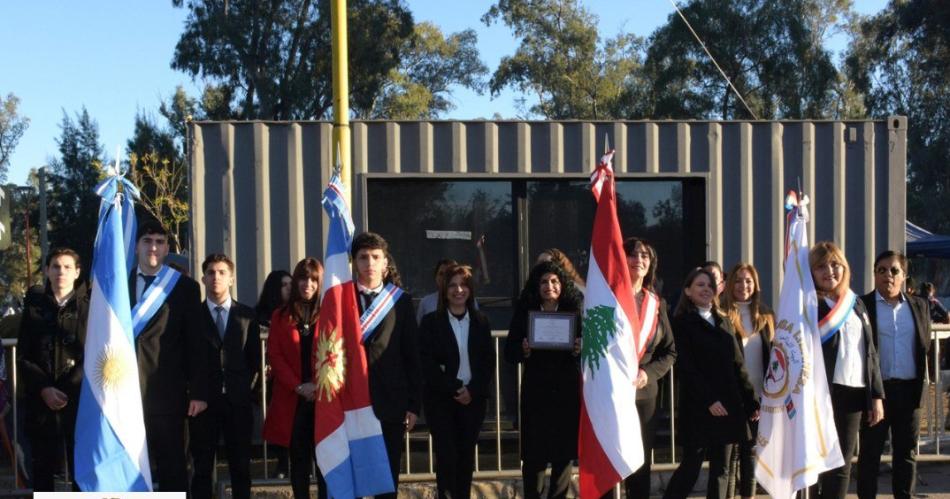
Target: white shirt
column 460, row 329
column 745, row 314
column 214, row 313
column 850, row 358
column 706, row 313
column 896, row 334
column 754, row 363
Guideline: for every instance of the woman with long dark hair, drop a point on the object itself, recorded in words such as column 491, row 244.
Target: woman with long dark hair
column 716, row 398
column 274, row 294
column 657, row 357
column 550, row 385
column 290, row 416
column 755, row 327
column 851, row 362
column 457, row 361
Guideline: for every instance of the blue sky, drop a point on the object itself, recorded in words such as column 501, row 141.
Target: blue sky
column 113, row 57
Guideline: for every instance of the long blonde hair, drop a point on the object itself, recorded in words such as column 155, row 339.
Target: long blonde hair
column 762, row 318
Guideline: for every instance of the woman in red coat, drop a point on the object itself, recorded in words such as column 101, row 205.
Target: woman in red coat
column 290, row 416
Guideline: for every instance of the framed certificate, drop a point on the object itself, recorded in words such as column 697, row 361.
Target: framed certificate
column 551, row 330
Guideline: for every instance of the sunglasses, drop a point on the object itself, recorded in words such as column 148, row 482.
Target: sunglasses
column 894, row 271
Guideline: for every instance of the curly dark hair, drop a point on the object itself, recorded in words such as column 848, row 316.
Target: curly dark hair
column 530, row 299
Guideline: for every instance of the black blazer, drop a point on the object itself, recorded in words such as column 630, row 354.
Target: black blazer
column 920, row 310
column 235, row 363
column 395, row 369
column 659, row 356
column 711, row 368
column 173, row 367
column 440, row 356
column 51, row 348
column 874, row 388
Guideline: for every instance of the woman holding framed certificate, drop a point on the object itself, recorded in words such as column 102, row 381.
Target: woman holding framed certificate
column 544, row 338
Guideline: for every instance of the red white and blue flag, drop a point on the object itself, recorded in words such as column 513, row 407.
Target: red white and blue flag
column 350, row 449
column 609, row 441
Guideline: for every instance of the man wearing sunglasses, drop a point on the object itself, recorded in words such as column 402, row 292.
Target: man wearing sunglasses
column 901, row 326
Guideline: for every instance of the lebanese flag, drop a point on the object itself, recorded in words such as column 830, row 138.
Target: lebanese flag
column 609, row 442
column 350, row 449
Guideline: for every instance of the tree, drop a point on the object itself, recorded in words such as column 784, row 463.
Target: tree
column 13, row 261
column 900, row 60
column 272, row 60
column 562, row 63
column 771, row 51
column 12, row 127
column 430, row 65
column 73, row 206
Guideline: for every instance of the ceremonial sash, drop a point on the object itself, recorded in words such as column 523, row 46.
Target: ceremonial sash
column 831, row 323
column 649, row 317
column 153, row 298
column 381, row 306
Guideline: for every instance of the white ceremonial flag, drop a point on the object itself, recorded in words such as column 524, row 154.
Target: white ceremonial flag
column 797, row 439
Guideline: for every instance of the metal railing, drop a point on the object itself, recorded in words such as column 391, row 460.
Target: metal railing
column 934, row 415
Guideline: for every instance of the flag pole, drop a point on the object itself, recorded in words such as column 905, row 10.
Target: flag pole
column 341, row 94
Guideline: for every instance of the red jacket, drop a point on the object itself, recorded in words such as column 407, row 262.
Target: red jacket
column 283, row 354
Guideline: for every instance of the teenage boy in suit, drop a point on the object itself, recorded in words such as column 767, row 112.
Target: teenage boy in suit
column 233, row 352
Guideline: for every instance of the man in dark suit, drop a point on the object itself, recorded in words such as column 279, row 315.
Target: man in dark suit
column 392, row 350
column 901, row 326
column 173, row 373
column 233, row 352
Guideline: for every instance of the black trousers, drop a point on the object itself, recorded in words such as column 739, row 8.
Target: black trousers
column 393, row 435
column 302, row 452
column 849, row 405
column 683, row 479
column 51, row 443
column 902, row 418
column 746, row 468
column 454, row 429
column 532, row 476
column 236, row 425
column 637, row 485
column 165, row 434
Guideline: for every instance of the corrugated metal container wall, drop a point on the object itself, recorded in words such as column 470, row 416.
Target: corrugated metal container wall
column 256, row 186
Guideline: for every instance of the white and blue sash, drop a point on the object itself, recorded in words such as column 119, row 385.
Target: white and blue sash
column 831, row 323
column 153, row 298
column 382, row 304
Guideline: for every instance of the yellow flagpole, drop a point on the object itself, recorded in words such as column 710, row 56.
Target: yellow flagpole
column 341, row 93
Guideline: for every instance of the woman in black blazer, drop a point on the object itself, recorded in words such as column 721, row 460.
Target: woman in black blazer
column 457, row 358
column 851, row 362
column 656, row 359
column 550, row 385
column 716, row 399
column 755, row 326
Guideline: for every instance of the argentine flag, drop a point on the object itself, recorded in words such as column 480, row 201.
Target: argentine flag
column 111, row 453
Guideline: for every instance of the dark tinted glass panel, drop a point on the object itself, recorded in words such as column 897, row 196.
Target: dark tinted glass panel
column 427, row 220
column 560, row 215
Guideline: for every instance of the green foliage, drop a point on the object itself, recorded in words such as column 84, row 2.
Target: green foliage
column 271, row 60
column 164, row 195
column 73, row 206
column 561, row 62
column 771, row 51
column 599, row 327
column 430, row 65
column 12, row 127
column 13, row 262
column 900, row 60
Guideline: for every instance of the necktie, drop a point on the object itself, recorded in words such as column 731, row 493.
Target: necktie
column 149, row 279
column 368, row 297
column 219, row 320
